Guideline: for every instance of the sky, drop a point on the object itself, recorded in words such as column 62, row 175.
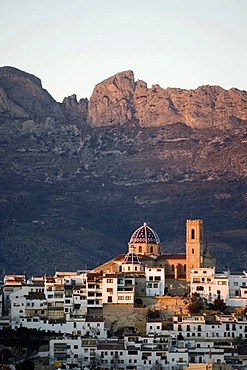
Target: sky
column 72, row 45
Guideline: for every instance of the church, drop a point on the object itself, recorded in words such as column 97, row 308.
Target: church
column 145, row 250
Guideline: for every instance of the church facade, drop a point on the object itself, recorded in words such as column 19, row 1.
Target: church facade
column 145, row 250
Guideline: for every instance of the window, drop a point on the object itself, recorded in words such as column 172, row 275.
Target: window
column 133, row 352
column 109, row 281
column 140, row 249
column 192, row 233
column 109, row 290
column 192, row 251
column 199, row 288
column 196, row 280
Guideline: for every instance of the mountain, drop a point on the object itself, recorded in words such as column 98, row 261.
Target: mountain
column 120, row 100
column 78, row 177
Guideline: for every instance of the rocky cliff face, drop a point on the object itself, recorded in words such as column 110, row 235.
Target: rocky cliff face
column 120, row 100
column 77, row 178
column 22, row 94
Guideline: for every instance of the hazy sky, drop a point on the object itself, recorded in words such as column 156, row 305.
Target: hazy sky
column 72, row 45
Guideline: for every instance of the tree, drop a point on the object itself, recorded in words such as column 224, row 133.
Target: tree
column 153, row 314
column 219, row 304
column 196, row 304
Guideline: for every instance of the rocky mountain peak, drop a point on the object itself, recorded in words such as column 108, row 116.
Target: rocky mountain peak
column 120, row 100
column 111, row 101
column 22, row 94
column 74, row 109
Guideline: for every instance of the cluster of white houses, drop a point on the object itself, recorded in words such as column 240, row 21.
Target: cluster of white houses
column 159, row 348
column 229, row 286
column 69, row 304
column 190, row 339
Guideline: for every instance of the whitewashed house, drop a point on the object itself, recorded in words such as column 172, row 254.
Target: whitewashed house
column 155, row 281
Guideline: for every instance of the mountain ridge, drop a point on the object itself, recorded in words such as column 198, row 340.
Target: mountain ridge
column 120, row 99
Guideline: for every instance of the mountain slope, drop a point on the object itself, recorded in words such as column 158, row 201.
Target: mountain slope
column 77, row 178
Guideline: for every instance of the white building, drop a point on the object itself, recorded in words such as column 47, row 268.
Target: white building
column 11, row 283
column 76, row 351
column 133, row 352
column 202, row 327
column 155, row 281
column 209, row 284
column 229, row 286
column 236, row 282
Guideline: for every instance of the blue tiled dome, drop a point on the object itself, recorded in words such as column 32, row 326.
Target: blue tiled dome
column 144, row 234
column 131, row 258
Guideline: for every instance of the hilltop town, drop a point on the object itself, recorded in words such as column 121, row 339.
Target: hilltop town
column 145, row 309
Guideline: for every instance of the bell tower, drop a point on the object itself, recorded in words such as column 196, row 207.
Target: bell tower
column 194, row 245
